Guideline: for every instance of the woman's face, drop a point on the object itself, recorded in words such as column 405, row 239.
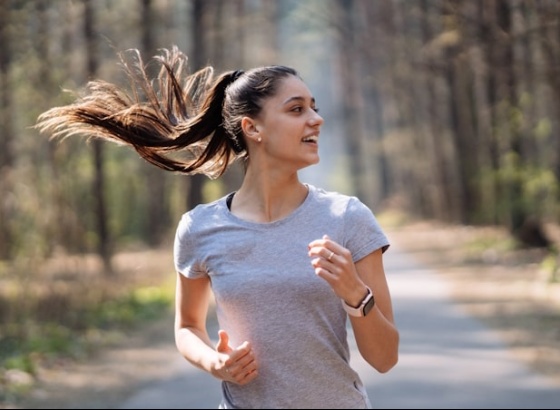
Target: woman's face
column 289, row 126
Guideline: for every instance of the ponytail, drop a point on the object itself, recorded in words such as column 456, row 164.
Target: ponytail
column 160, row 118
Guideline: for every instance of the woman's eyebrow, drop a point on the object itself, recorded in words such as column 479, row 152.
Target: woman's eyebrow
column 298, row 98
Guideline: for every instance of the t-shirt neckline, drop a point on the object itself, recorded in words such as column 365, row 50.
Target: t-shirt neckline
column 224, row 208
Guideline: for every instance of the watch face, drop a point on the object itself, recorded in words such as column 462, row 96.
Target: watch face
column 369, row 305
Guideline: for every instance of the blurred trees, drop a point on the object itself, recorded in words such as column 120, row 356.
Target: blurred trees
column 468, row 107
column 98, row 191
column 6, row 136
column 448, row 108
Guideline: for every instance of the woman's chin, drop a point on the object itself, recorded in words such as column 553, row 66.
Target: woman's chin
column 311, row 161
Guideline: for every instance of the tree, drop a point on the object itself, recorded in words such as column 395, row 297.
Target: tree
column 7, row 159
column 158, row 216
column 104, row 247
column 198, row 59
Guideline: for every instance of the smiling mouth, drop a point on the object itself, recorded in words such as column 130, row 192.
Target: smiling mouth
column 312, row 139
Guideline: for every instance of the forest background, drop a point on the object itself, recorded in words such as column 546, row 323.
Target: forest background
column 444, row 110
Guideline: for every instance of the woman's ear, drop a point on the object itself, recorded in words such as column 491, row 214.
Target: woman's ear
column 250, row 128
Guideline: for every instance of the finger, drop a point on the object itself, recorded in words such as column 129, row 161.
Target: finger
column 243, row 346
column 248, row 372
column 243, row 368
column 317, row 243
column 249, row 376
column 239, row 370
column 322, row 252
column 241, row 350
column 325, row 242
column 239, row 357
column 325, row 274
column 246, row 361
column 223, row 343
column 331, row 245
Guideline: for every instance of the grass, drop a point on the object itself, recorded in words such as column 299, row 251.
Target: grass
column 68, row 314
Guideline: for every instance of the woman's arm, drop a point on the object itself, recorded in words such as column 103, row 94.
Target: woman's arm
column 376, row 334
column 191, row 337
column 192, row 298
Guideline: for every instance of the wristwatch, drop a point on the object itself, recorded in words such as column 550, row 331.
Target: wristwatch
column 363, row 308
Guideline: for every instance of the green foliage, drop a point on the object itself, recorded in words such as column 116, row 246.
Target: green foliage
column 490, row 244
column 550, row 265
column 539, row 186
column 543, row 129
column 23, row 346
column 139, row 305
column 21, row 362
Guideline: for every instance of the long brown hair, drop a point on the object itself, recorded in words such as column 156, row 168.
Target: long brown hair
column 188, row 123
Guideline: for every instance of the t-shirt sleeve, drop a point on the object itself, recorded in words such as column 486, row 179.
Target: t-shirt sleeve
column 184, row 250
column 363, row 234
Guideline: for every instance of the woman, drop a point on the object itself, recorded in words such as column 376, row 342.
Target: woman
column 287, row 262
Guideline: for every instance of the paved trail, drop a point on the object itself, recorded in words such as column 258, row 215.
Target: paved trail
column 448, row 360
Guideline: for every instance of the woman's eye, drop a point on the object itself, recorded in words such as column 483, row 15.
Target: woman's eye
column 300, row 109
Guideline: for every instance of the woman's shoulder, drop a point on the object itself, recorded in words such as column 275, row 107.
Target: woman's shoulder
column 203, row 213
column 335, row 201
column 339, row 203
column 325, row 195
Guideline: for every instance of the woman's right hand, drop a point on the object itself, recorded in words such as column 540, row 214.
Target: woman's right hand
column 235, row 365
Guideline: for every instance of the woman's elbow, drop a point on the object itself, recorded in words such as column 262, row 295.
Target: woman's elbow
column 387, row 364
column 390, row 357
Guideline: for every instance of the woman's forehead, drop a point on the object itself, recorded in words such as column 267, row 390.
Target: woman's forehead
column 292, row 88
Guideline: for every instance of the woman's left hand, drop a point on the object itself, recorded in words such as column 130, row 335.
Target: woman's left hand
column 334, row 263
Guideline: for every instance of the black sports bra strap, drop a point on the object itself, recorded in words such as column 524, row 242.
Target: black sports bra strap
column 229, row 199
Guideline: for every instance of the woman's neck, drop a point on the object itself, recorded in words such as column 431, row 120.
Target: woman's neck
column 267, row 199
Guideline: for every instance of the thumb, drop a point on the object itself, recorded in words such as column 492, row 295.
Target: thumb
column 326, row 236
column 223, row 343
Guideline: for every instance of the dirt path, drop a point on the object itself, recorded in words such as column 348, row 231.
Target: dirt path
column 505, row 289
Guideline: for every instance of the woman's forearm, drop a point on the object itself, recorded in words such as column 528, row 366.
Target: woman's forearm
column 195, row 346
column 377, row 339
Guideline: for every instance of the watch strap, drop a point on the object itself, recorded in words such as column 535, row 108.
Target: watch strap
column 363, row 308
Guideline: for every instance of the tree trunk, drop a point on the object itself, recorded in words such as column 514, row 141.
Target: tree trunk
column 548, row 17
column 524, row 226
column 375, row 120
column 441, row 195
column 100, row 205
column 488, row 39
column 352, row 106
column 197, row 59
column 233, row 177
column 157, row 215
column 7, row 203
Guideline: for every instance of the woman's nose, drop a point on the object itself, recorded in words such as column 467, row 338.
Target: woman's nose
column 316, row 119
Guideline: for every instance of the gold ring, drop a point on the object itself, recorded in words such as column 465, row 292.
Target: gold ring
column 330, row 256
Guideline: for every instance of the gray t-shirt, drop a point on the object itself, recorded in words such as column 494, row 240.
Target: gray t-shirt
column 267, row 293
